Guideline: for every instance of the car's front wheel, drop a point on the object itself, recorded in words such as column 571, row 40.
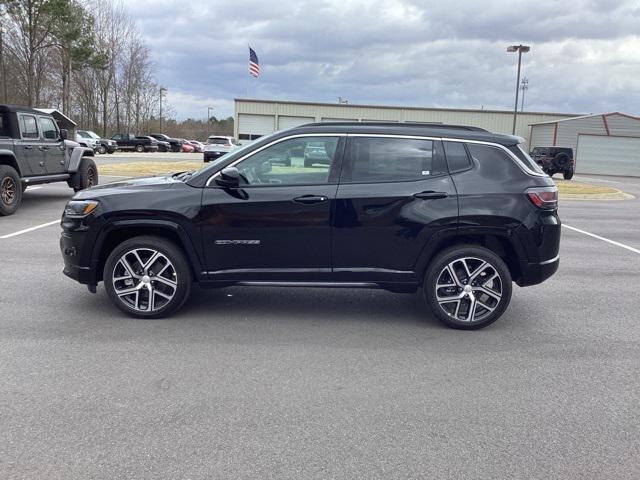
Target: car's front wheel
column 139, row 148
column 147, row 277
column 467, row 287
column 102, row 149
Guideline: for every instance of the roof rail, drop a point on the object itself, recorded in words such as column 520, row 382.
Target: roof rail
column 396, row 124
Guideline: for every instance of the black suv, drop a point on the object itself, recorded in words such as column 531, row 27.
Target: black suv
column 555, row 160
column 457, row 212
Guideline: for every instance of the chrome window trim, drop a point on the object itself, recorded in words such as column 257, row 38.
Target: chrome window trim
column 509, row 153
column 253, row 152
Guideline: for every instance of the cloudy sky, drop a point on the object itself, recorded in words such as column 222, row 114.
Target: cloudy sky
column 585, row 54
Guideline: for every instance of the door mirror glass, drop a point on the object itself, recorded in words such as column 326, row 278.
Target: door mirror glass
column 229, row 178
column 64, row 134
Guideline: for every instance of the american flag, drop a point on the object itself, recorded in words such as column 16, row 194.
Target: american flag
column 254, row 66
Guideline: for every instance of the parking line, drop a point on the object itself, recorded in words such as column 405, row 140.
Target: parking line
column 612, row 242
column 30, row 229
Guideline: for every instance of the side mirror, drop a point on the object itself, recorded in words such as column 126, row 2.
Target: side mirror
column 64, row 133
column 229, row 178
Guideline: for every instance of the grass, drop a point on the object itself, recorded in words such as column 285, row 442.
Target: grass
column 571, row 187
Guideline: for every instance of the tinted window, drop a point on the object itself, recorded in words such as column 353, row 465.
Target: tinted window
column 457, row 157
column 524, row 158
column 28, row 126
column 49, row 129
column 390, row 160
column 2, row 130
column 291, row 162
column 247, row 136
column 218, row 141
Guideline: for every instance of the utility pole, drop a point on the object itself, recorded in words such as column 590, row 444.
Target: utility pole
column 524, row 86
column 162, row 92
column 520, row 49
column 209, row 109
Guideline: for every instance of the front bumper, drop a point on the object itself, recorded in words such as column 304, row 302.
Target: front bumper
column 70, row 246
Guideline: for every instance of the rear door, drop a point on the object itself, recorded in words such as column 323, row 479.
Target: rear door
column 52, row 147
column 29, row 145
column 395, row 194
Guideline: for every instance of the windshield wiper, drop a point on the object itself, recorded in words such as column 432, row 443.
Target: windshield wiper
column 183, row 175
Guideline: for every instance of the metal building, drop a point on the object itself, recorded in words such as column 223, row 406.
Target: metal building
column 602, row 144
column 254, row 118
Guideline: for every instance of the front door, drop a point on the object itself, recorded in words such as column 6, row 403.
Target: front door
column 277, row 225
column 394, row 194
column 52, row 146
column 28, row 148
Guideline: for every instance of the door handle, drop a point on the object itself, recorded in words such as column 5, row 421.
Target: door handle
column 308, row 199
column 431, row 195
column 28, row 147
column 41, row 164
column 44, row 148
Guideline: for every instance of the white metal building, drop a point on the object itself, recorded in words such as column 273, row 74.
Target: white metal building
column 602, row 144
column 254, row 118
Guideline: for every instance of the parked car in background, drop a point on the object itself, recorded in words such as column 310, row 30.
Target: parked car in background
column 218, row 146
column 33, row 150
column 186, row 147
column 454, row 212
column 162, row 145
column 198, row 146
column 174, row 142
column 555, row 160
column 129, row 141
column 315, row 153
column 90, row 139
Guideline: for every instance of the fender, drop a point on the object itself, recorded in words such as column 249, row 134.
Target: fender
column 13, row 161
column 175, row 227
column 439, row 240
column 76, row 157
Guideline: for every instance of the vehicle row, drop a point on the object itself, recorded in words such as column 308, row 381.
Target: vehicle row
column 155, row 142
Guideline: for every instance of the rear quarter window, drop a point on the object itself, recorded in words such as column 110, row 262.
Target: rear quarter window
column 524, row 158
column 457, row 157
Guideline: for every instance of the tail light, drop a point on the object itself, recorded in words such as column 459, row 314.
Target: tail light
column 543, row 197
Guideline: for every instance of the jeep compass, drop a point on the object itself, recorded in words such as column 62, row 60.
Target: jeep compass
column 455, row 212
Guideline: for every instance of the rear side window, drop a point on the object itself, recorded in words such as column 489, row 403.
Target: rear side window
column 524, row 158
column 373, row 159
column 457, row 157
column 28, row 126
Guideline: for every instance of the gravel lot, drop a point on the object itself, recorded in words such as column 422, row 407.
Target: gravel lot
column 309, row 383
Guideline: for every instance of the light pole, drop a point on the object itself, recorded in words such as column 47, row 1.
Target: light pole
column 209, row 109
column 162, row 92
column 520, row 49
column 524, row 86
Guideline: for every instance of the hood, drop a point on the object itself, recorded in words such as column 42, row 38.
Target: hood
column 126, row 186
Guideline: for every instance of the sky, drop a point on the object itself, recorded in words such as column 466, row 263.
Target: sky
column 584, row 58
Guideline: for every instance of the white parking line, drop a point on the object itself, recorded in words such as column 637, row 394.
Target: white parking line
column 612, row 242
column 30, row 229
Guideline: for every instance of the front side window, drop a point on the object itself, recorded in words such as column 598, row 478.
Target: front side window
column 49, row 129
column 377, row 159
column 28, row 126
column 296, row 161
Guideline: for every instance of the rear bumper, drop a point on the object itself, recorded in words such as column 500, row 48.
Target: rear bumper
column 536, row 273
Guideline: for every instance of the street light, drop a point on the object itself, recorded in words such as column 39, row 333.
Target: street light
column 163, row 91
column 209, row 109
column 520, row 49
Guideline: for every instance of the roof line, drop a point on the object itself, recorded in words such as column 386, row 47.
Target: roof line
column 591, row 115
column 396, row 107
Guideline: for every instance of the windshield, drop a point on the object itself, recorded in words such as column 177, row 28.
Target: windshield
column 92, row 134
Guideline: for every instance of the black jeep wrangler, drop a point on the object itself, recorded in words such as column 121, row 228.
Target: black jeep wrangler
column 33, row 150
column 555, row 160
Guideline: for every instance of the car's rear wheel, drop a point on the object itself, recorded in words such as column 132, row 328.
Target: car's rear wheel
column 467, row 287
column 147, row 277
column 139, row 148
column 10, row 190
column 568, row 174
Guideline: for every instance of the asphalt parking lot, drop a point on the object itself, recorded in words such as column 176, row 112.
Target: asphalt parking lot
column 310, row 383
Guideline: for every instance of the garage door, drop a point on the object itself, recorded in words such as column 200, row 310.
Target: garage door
column 285, row 122
column 608, row 155
column 251, row 127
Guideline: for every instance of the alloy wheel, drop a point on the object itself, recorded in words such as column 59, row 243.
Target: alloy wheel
column 8, row 191
column 144, row 279
column 468, row 289
column 91, row 177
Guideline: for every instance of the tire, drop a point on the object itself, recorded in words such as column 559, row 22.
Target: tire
column 111, row 152
column 139, row 148
column 102, row 149
column 10, row 190
column 88, row 173
column 568, row 174
column 452, row 313
column 176, row 276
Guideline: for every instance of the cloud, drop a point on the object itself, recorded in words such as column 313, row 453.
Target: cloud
column 584, row 55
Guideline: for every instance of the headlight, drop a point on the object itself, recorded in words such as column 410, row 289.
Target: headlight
column 80, row 208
